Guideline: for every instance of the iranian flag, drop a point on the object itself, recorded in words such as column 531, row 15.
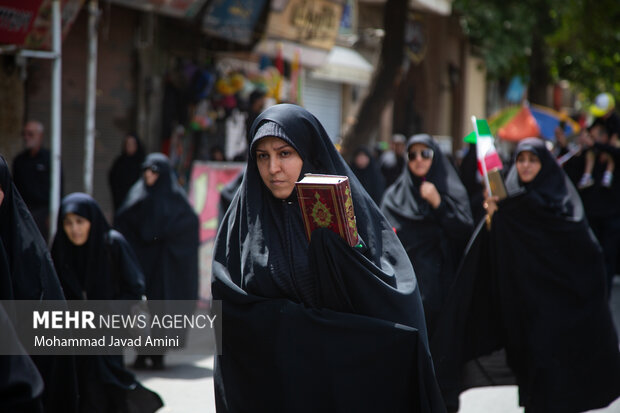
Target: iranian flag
column 488, row 159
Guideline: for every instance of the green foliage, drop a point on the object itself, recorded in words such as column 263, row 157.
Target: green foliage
column 581, row 38
column 586, row 46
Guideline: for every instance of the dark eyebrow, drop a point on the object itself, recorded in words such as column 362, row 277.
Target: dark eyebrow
column 276, row 149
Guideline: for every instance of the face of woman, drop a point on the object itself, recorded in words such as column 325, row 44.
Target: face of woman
column 77, row 228
column 528, row 166
column 420, row 159
column 362, row 160
column 150, row 177
column 131, row 146
column 279, row 166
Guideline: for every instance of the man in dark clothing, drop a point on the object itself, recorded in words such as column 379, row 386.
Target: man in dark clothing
column 31, row 175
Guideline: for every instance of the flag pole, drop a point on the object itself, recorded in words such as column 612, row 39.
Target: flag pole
column 484, row 165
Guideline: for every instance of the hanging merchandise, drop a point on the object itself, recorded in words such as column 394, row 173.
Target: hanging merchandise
column 236, row 143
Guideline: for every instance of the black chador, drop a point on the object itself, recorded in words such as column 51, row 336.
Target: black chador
column 125, row 171
column 533, row 286
column 27, row 273
column 102, row 268
column 434, row 238
column 370, row 176
column 162, row 228
column 319, row 326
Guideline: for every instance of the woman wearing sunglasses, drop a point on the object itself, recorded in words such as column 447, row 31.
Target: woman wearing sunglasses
column 428, row 207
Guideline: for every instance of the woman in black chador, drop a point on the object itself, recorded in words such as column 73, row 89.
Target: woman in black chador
column 533, row 285
column 95, row 262
column 428, row 207
column 27, row 273
column 368, row 172
column 126, row 169
column 162, row 228
column 319, row 326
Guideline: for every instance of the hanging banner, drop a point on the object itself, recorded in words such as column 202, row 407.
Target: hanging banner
column 233, row 19
column 207, row 180
column 312, row 23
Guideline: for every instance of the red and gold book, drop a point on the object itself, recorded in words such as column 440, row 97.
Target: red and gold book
column 326, row 202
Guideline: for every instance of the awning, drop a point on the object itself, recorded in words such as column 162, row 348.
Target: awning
column 173, row 8
column 442, row 7
column 344, row 65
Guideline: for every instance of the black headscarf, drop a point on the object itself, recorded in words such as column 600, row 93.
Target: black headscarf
column 27, row 273
column 534, row 285
column 371, row 176
column 433, row 238
column 104, row 267
column 125, row 171
column 551, row 189
column 298, row 315
column 83, row 268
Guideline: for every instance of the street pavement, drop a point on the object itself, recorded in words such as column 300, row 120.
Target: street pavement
column 186, row 385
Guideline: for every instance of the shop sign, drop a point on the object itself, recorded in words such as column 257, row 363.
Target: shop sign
column 314, row 23
column 233, row 19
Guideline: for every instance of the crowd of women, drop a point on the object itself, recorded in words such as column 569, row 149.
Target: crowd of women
column 448, row 288
column 150, row 253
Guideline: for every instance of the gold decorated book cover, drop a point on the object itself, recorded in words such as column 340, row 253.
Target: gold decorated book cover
column 326, row 202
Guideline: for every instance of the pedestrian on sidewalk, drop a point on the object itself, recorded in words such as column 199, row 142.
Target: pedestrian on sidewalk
column 313, row 326
column 162, row 228
column 126, row 169
column 533, row 285
column 31, row 175
column 95, row 262
column 428, row 207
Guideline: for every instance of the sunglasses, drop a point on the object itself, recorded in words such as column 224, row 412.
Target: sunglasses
column 152, row 168
column 424, row 153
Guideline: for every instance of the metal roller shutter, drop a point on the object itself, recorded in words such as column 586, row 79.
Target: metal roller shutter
column 323, row 100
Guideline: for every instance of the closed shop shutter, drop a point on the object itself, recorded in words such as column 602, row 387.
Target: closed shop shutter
column 323, row 100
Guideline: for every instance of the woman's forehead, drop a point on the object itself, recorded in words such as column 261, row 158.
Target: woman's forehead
column 270, row 142
column 418, row 145
column 527, row 153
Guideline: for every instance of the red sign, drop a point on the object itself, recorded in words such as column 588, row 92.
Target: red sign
column 28, row 23
column 207, row 181
column 16, row 19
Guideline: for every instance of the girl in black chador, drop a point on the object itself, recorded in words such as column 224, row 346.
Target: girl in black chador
column 27, row 273
column 313, row 326
column 428, row 207
column 162, row 227
column 534, row 286
column 126, row 169
column 95, row 262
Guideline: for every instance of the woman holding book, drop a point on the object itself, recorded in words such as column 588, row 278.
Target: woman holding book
column 428, row 207
column 534, row 286
column 319, row 325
